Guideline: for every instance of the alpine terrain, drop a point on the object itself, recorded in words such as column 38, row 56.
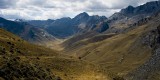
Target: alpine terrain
column 123, row 46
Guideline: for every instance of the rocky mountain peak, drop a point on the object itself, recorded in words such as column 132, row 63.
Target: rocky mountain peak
column 20, row 20
column 1, row 19
column 129, row 10
column 147, row 8
column 82, row 15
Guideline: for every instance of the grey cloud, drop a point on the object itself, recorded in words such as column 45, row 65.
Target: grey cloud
column 38, row 3
column 124, row 3
column 44, row 9
column 97, row 6
column 74, row 0
column 13, row 16
column 7, row 3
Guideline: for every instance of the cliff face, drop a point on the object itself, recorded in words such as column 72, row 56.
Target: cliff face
column 150, row 69
column 129, row 16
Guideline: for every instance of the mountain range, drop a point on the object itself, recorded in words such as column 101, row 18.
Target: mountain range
column 66, row 27
column 26, row 31
column 39, row 31
column 130, row 16
column 124, row 46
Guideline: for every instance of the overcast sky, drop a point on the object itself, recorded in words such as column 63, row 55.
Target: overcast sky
column 53, row 9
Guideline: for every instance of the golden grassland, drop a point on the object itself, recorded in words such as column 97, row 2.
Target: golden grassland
column 18, row 56
column 119, row 54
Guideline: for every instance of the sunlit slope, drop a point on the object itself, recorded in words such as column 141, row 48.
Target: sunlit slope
column 122, row 53
column 11, row 44
column 22, row 60
column 118, row 54
column 78, row 41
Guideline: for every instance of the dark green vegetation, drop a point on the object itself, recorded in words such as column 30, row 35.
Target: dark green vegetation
column 14, row 68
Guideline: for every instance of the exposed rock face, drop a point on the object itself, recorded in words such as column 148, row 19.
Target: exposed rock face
column 82, row 17
column 129, row 16
column 148, row 8
column 128, row 10
column 150, row 70
column 103, row 26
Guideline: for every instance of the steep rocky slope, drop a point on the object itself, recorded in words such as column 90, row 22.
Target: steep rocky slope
column 150, row 70
column 128, row 17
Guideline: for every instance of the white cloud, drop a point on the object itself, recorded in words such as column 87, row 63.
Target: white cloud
column 53, row 9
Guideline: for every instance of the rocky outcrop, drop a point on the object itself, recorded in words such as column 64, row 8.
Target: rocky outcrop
column 148, row 9
column 131, row 16
column 150, row 70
